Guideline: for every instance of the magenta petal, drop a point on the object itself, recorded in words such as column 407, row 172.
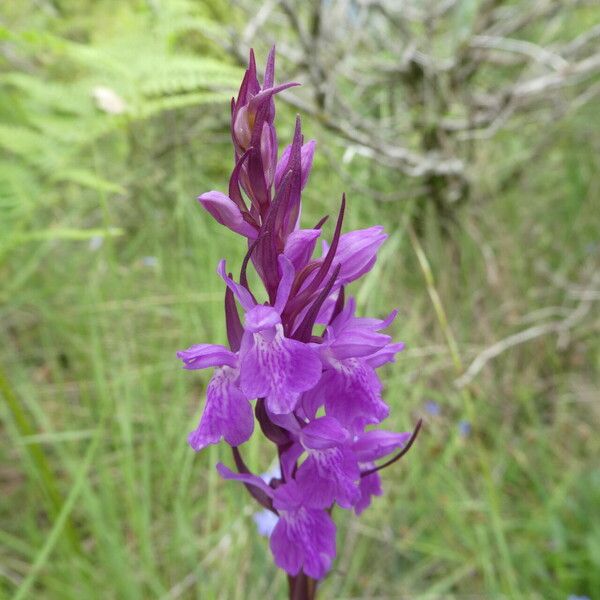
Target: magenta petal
column 357, row 251
column 352, row 337
column 300, row 245
column 286, row 421
column 268, row 151
column 352, row 393
column 278, row 369
column 267, row 93
column 289, row 497
column 248, row 478
column 330, row 475
column 202, row 356
column 287, row 551
column 320, row 490
column 377, row 443
column 306, row 157
column 320, row 547
column 226, row 212
column 260, row 318
column 304, row 365
column 322, row 433
column 285, row 284
column 356, row 342
column 289, row 458
column 227, row 413
column 369, row 486
column 303, row 539
column 311, row 401
column 255, row 378
column 385, row 355
column 241, row 293
column 326, row 311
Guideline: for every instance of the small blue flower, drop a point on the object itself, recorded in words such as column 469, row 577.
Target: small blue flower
column 433, row 408
column 464, row 428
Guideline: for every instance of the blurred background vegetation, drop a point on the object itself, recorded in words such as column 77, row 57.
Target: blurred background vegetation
column 469, row 128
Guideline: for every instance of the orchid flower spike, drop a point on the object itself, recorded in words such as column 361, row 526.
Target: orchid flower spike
column 314, row 391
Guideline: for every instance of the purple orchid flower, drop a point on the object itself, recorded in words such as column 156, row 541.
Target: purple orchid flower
column 304, row 538
column 350, row 389
column 330, row 472
column 227, row 414
column 278, row 359
column 272, row 366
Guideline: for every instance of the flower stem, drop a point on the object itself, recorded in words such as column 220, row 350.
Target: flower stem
column 302, row 587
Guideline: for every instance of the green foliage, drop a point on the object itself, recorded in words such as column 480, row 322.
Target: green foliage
column 67, row 91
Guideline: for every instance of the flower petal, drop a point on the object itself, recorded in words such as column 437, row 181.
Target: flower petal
column 352, row 393
column 320, row 544
column 357, row 252
column 278, row 369
column 322, row 433
column 306, row 157
column 289, row 458
column 369, row 486
column 287, row 551
column 241, row 293
column 300, row 245
column 226, row 212
column 202, row 356
column 377, row 443
column 356, row 342
column 330, row 474
column 227, row 413
column 261, row 318
column 385, row 355
column 248, row 478
column 304, row 540
column 285, row 284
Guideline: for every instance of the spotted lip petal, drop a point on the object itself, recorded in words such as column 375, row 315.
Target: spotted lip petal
column 351, row 393
column 227, row 414
column 331, row 469
column 330, row 475
column 277, row 369
column 304, row 538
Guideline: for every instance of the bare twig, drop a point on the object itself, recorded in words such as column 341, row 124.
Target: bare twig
column 560, row 327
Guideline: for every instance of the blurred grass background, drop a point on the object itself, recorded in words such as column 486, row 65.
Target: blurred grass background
column 113, row 117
